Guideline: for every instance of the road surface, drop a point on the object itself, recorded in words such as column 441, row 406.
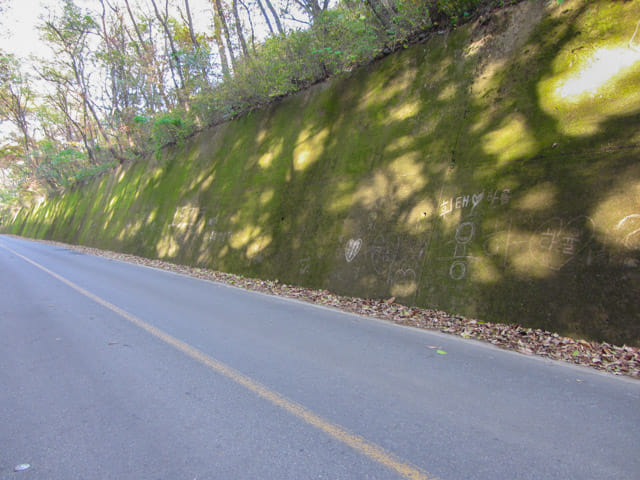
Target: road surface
column 110, row 370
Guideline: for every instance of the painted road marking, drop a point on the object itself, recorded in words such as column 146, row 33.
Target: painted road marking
column 356, row 442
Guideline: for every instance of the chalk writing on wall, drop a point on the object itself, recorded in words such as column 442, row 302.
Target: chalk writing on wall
column 393, row 258
column 403, row 281
column 215, row 236
column 404, row 275
column 382, row 252
column 389, row 260
column 553, row 244
column 556, row 242
column 464, row 234
column 304, row 265
column 630, row 228
column 474, row 200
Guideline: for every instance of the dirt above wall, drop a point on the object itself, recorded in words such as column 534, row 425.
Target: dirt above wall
column 491, row 172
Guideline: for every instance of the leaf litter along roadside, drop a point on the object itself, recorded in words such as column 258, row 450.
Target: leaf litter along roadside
column 619, row 360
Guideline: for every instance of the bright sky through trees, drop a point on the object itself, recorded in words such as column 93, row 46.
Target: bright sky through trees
column 19, row 34
column 86, row 85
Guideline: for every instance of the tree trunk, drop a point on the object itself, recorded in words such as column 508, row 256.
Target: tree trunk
column 174, row 53
column 217, row 36
column 150, row 59
column 194, row 39
column 380, row 12
column 238, row 25
column 265, row 16
column 220, row 15
column 276, row 18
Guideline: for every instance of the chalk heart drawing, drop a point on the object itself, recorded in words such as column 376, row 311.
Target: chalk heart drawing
column 352, row 249
column 476, row 198
column 404, row 282
column 557, row 242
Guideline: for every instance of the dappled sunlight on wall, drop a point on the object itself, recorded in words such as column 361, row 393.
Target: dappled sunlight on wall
column 617, row 217
column 267, row 158
column 591, row 88
column 381, row 90
column 484, row 269
column 538, row 198
column 600, row 69
column 309, row 147
column 490, row 171
column 341, row 200
column 515, row 246
column 398, row 181
column 167, row 247
column 513, row 140
column 404, row 111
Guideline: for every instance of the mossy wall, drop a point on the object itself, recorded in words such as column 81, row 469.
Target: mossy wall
column 492, row 172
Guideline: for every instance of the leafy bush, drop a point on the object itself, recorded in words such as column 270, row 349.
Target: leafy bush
column 171, row 129
column 57, row 165
column 351, row 34
column 339, row 40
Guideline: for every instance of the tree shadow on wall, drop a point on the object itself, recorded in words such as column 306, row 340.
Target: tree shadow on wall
column 444, row 176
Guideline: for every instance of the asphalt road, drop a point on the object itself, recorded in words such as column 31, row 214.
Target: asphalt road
column 114, row 371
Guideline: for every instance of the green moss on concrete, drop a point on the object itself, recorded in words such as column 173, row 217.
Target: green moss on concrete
column 491, row 171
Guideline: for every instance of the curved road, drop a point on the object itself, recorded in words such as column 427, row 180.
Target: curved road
column 114, row 371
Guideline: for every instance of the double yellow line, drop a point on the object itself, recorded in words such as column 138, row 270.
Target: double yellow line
column 358, row 443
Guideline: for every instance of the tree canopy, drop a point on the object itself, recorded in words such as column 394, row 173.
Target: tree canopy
column 132, row 76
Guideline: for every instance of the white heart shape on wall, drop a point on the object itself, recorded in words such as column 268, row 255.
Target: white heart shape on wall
column 352, row 249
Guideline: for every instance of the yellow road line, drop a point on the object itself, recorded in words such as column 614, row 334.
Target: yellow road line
column 358, row 443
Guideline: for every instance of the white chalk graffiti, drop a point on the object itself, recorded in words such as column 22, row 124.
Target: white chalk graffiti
column 392, row 257
column 215, row 236
column 502, row 197
column 476, row 198
column 464, row 234
column 631, row 239
column 396, row 259
column 458, row 270
column 557, row 242
column 493, row 198
column 403, row 282
column 629, row 226
column 383, row 252
column 403, row 275
column 352, row 248
column 304, row 265
column 498, row 244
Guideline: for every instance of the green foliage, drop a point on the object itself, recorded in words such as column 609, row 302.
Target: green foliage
column 171, row 129
column 345, row 39
column 148, row 113
column 338, row 41
column 58, row 165
column 410, row 16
